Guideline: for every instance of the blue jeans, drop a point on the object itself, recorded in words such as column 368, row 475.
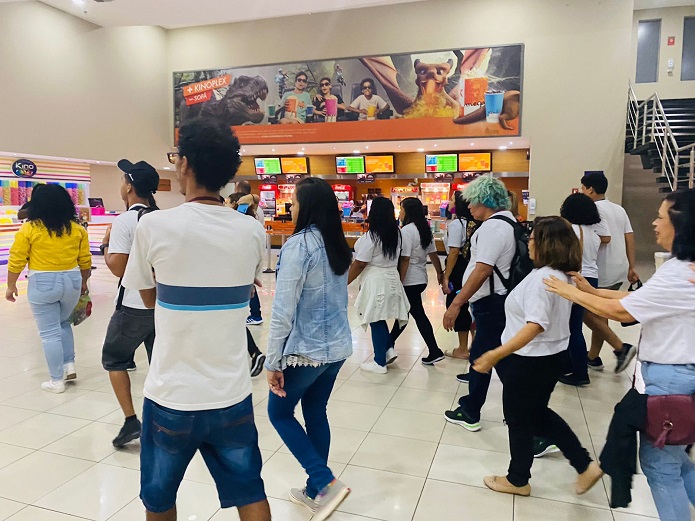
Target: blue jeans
column 577, row 345
column 669, row 471
column 226, row 438
column 255, row 304
column 490, row 320
column 381, row 341
column 53, row 297
column 312, row 386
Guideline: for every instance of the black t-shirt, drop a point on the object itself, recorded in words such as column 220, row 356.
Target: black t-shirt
column 321, row 105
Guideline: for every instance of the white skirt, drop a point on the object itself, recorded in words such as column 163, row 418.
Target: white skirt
column 381, row 297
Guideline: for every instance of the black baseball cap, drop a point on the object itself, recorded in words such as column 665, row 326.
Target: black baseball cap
column 141, row 174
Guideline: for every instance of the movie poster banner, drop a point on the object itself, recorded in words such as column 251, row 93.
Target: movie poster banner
column 442, row 94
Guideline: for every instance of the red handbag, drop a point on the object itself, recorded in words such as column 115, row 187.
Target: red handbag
column 670, row 420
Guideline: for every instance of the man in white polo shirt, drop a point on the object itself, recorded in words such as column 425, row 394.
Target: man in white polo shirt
column 492, row 246
column 616, row 263
column 196, row 265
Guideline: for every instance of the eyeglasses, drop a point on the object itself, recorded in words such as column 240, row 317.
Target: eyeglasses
column 301, row 80
column 325, row 84
column 367, row 87
column 172, row 157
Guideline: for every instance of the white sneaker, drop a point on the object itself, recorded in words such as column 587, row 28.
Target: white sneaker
column 53, row 386
column 373, row 367
column 69, row 369
column 391, row 356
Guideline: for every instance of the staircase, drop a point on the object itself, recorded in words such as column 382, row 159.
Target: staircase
column 662, row 133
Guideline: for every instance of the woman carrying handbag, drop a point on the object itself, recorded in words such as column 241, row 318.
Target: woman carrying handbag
column 665, row 306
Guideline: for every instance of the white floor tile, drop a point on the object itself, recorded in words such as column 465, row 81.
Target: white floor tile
column 410, row 424
column 440, row 499
column 398, row 455
column 11, row 453
column 31, row 513
column 40, row 430
column 532, row 509
column 8, row 508
column 92, row 442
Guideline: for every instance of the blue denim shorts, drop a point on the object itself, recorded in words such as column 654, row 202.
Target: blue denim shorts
column 227, row 440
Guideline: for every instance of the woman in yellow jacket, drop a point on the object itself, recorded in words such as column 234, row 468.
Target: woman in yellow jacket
column 57, row 251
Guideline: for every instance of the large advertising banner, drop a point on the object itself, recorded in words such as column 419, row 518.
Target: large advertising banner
column 441, row 94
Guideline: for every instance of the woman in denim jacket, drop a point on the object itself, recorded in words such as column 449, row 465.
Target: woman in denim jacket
column 310, row 339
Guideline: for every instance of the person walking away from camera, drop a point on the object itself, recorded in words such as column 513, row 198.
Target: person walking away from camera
column 459, row 231
column 665, row 306
column 582, row 212
column 492, row 246
column 534, row 352
column 256, row 317
column 56, row 249
column 417, row 245
column 616, row 263
column 310, row 339
column 198, row 389
column 131, row 324
column 381, row 295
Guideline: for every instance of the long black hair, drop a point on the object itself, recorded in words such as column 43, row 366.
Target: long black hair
column 580, row 209
column 383, row 226
column 682, row 214
column 461, row 205
column 414, row 213
column 318, row 206
column 53, row 206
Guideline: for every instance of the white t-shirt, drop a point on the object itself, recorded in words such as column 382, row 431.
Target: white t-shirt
column 121, row 241
column 411, row 247
column 456, row 233
column 665, row 306
column 530, row 302
column 590, row 247
column 493, row 244
column 205, row 258
column 362, row 103
column 612, row 257
column 366, row 250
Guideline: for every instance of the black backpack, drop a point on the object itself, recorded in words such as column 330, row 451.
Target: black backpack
column 143, row 210
column 522, row 264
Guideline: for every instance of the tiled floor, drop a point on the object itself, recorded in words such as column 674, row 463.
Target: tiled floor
column 390, row 441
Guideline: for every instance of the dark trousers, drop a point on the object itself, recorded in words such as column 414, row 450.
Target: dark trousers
column 255, row 304
column 463, row 321
column 312, row 386
column 490, row 320
column 528, row 383
column 381, row 341
column 251, row 343
column 417, row 311
column 577, row 347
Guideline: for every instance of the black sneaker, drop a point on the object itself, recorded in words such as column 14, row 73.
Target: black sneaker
column 571, row 379
column 625, row 356
column 257, row 361
column 461, row 417
column 432, row 358
column 542, row 447
column 131, row 366
column 596, row 364
column 129, row 432
column 463, row 378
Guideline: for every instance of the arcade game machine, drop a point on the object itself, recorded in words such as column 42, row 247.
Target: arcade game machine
column 269, row 196
column 345, row 195
column 284, row 199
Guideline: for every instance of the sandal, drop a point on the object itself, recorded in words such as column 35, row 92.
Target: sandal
column 450, row 353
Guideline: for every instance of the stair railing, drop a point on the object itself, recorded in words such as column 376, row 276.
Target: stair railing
column 689, row 152
column 648, row 124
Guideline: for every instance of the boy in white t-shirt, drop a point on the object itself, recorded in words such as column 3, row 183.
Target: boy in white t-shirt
column 205, row 258
column 131, row 323
column 368, row 104
column 616, row 262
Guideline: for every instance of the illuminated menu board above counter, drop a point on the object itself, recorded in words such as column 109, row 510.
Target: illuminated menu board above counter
column 441, row 163
column 294, row 165
column 349, row 165
column 268, row 166
column 379, row 164
column 475, row 162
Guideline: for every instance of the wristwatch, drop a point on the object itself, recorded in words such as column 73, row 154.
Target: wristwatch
column 102, row 247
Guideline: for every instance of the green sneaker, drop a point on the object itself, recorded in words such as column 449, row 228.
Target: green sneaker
column 543, row 447
column 461, row 417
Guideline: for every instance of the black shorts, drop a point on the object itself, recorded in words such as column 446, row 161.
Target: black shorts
column 127, row 329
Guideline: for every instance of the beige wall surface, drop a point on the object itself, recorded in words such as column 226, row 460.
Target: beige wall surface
column 76, row 90
column 575, row 68
column 72, row 89
column 669, row 86
column 106, row 183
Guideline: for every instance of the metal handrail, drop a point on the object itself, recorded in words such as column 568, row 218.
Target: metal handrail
column 647, row 123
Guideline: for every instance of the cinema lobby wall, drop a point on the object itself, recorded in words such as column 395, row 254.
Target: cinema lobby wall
column 77, row 90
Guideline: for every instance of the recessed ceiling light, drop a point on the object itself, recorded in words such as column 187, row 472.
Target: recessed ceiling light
column 399, row 146
column 272, row 150
column 511, row 142
column 355, row 151
column 420, row 149
column 302, row 148
column 333, row 148
column 472, row 144
column 502, row 148
column 367, row 148
column 300, row 153
column 435, row 144
column 167, row 168
column 98, row 162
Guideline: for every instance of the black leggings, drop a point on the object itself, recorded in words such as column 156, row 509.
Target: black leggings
column 417, row 311
column 527, row 385
column 463, row 321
